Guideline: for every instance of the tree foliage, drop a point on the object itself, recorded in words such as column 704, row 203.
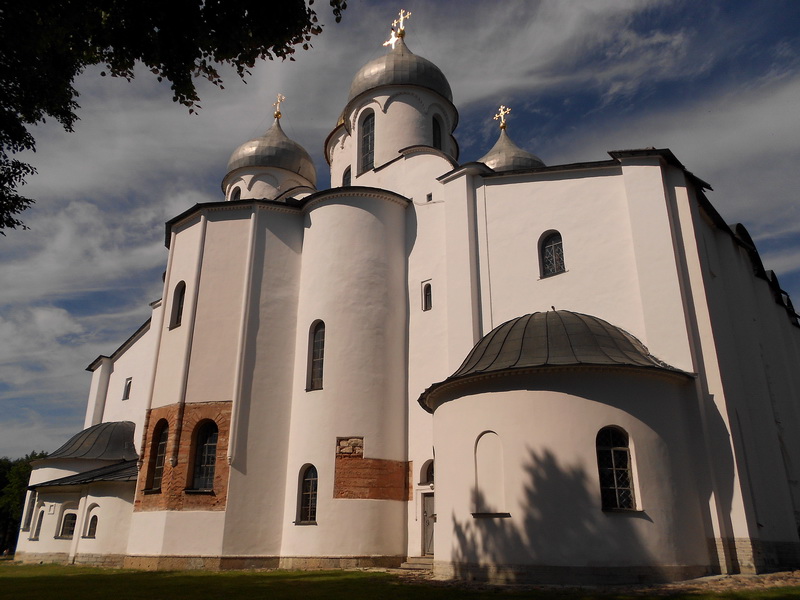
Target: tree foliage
column 46, row 44
column 14, row 476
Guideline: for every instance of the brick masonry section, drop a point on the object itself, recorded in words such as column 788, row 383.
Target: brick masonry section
column 175, row 480
column 357, row 477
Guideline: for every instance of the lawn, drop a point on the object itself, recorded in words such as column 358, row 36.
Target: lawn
column 45, row 582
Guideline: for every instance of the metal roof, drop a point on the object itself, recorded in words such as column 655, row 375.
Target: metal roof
column 400, row 66
column 124, row 471
column 505, row 155
column 104, row 441
column 552, row 339
column 274, row 149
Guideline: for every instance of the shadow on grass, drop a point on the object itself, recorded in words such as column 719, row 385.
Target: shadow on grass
column 46, row 582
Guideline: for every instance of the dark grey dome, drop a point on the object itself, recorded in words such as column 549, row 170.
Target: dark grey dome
column 274, row 149
column 505, row 155
column 552, row 339
column 104, row 441
column 400, row 66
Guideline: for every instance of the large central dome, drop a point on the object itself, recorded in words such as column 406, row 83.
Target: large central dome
column 400, row 66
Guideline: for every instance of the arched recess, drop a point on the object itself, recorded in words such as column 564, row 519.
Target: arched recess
column 426, row 473
column 236, row 194
column 489, row 496
column 437, row 130
column 92, row 521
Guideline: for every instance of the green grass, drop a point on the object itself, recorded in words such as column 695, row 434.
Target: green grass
column 45, row 582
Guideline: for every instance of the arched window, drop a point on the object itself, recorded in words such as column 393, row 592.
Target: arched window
column 205, row 456
column 91, row 531
column 158, row 454
column 551, row 251
column 316, row 356
column 38, row 529
column 614, row 469
column 178, row 299
column 366, row 152
column 68, row 525
column 437, row 133
column 347, row 177
column 427, row 296
column 236, row 194
column 308, row 495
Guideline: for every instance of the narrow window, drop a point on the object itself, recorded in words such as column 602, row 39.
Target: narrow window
column 347, row 178
column 316, row 356
column 126, row 392
column 38, row 529
column 68, row 525
column 429, row 198
column 614, row 468
column 205, row 456
column 308, row 496
column 236, row 194
column 427, row 296
column 178, row 299
column 92, row 530
column 437, row 133
column 158, row 455
column 367, row 153
column 427, row 473
column 552, row 255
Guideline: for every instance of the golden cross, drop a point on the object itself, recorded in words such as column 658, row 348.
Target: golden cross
column 277, row 106
column 403, row 16
column 392, row 40
column 502, row 116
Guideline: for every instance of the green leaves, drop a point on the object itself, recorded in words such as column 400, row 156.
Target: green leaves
column 45, row 45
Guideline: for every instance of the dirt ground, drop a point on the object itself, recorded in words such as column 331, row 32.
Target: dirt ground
column 711, row 584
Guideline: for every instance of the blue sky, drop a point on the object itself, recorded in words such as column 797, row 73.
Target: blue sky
column 717, row 82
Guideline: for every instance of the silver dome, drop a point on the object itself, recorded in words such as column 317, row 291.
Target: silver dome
column 274, row 149
column 400, row 66
column 507, row 156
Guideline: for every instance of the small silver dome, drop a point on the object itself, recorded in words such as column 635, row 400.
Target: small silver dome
column 507, row 156
column 400, row 66
column 274, row 149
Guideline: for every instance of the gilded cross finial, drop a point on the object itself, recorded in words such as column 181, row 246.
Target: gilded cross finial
column 403, row 16
column 398, row 28
column 277, row 106
column 502, row 116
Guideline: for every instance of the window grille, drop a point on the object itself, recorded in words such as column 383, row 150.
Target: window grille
column 368, row 142
column 205, row 461
column 552, row 255
column 317, row 357
column 614, row 467
column 308, row 496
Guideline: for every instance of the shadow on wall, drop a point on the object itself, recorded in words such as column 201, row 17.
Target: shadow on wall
column 562, row 535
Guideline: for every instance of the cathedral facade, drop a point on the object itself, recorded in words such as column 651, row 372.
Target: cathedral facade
column 600, row 369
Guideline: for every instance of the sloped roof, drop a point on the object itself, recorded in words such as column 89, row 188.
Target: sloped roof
column 123, row 471
column 551, row 339
column 104, row 441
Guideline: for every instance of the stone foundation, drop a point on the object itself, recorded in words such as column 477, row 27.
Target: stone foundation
column 755, row 556
column 219, row 563
column 34, row 558
column 533, row 574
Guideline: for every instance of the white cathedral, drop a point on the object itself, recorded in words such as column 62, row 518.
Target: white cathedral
column 599, row 367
